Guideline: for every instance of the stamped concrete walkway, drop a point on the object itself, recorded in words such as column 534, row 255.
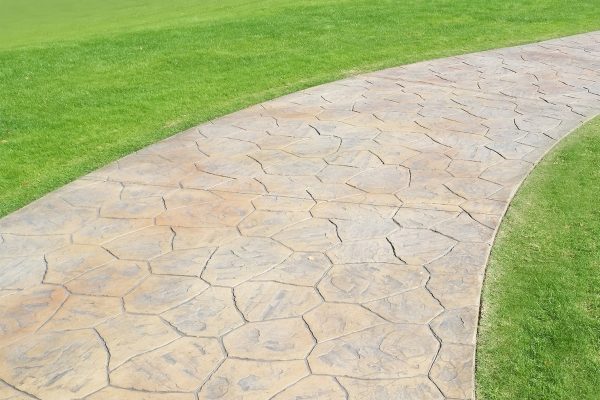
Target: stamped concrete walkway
column 330, row 244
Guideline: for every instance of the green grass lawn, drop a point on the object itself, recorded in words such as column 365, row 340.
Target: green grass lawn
column 86, row 82
column 539, row 336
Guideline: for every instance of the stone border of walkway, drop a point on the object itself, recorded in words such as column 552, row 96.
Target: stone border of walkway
column 335, row 239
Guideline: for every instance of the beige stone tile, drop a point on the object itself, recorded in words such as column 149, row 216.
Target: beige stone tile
column 128, row 335
column 311, row 235
column 180, row 366
column 414, row 307
column 158, row 293
column 113, row 279
column 251, row 380
column 212, row 313
column 21, row 272
column 313, row 387
column 385, row 179
column 299, row 269
column 72, row 261
column 182, row 262
column 144, row 244
column 331, row 320
column 453, row 371
column 25, row 311
column 420, row 246
column 111, row 393
column 243, row 259
column 79, row 312
column 56, row 365
column 384, row 351
column 419, row 388
column 260, row 301
column 360, row 283
column 281, row 339
column 268, row 223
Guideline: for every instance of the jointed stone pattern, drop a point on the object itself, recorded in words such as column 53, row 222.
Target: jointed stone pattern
column 329, row 244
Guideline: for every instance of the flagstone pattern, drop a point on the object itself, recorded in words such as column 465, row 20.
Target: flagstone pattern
column 328, row 244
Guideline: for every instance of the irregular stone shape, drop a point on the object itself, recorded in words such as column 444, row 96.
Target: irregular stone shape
column 24, row 312
column 313, row 387
column 420, row 246
column 484, row 206
column 355, row 158
column 111, row 393
column 113, row 279
column 133, row 208
column 182, row 262
column 386, row 179
column 230, row 166
column 465, row 229
column 507, row 172
column 243, row 259
column 414, row 307
column 59, row 218
column 456, row 326
column 276, row 162
column 360, row 283
column 144, row 244
column 473, row 188
column 90, row 193
column 83, row 312
column 182, row 198
column 193, row 238
column 215, row 213
column 72, row 261
column 422, row 217
column 331, row 320
column 363, row 251
column 251, row 380
column 179, row 366
column 319, row 146
column 280, row 203
column 299, row 269
column 22, row 272
column 158, row 293
column 427, row 161
column 337, row 173
column 384, row 352
column 128, row 335
column 429, row 194
column 282, row 339
column 260, row 301
column 212, row 313
column 268, row 223
column 418, row 388
column 464, row 258
column 454, row 290
column 453, row 371
column 25, row 246
column 332, row 191
column 311, row 235
column 364, row 228
column 56, row 365
column 102, row 230
column 8, row 393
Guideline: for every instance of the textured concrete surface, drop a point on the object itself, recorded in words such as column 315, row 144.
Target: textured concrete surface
column 330, row 244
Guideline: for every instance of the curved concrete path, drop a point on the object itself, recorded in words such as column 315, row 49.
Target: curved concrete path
column 330, row 244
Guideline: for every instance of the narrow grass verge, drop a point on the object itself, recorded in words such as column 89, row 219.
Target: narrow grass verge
column 539, row 335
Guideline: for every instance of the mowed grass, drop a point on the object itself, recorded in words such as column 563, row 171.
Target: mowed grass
column 83, row 83
column 539, row 336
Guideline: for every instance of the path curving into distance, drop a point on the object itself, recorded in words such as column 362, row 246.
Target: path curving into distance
column 328, row 244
